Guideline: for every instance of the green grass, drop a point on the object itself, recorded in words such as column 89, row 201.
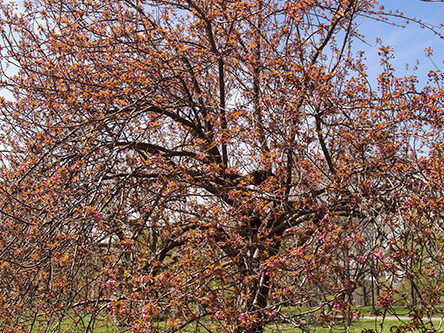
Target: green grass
column 398, row 310
column 104, row 325
column 356, row 327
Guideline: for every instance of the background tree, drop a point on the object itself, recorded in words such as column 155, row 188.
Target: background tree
column 173, row 163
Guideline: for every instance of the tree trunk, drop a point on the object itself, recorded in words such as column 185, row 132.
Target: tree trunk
column 258, row 300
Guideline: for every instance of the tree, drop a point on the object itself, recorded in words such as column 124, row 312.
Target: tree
column 178, row 163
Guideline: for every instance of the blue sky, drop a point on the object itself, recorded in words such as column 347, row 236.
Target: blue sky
column 408, row 43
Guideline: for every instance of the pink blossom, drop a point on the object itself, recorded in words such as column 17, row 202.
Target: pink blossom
column 378, row 254
column 110, row 283
column 243, row 315
column 98, row 216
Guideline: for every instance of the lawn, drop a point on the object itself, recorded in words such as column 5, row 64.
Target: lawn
column 105, row 326
column 356, row 327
